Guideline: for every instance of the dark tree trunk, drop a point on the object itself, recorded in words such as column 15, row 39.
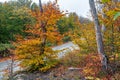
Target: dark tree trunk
column 43, row 27
column 98, row 35
column 40, row 5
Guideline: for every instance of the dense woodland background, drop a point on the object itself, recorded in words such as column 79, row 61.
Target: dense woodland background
column 28, row 32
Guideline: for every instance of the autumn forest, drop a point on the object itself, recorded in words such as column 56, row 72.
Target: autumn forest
column 39, row 41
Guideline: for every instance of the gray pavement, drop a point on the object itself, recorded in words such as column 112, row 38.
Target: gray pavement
column 67, row 47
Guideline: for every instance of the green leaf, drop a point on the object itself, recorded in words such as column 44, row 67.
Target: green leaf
column 117, row 14
column 104, row 1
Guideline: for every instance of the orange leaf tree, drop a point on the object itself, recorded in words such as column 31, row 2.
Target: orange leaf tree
column 30, row 48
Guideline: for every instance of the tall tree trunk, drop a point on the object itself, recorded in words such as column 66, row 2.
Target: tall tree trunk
column 98, row 35
column 43, row 27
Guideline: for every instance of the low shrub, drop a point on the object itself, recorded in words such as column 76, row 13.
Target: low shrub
column 29, row 52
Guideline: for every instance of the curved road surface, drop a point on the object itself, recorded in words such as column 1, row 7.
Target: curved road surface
column 67, row 47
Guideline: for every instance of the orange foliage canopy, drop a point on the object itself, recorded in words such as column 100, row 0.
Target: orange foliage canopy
column 51, row 14
column 30, row 47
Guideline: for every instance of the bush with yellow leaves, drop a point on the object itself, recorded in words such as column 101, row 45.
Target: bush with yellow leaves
column 29, row 53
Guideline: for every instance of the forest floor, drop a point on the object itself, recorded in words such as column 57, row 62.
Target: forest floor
column 61, row 73
column 58, row 73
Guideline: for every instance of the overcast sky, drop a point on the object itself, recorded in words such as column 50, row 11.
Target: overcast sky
column 81, row 7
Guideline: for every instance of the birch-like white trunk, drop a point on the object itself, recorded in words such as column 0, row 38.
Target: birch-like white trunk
column 99, row 40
